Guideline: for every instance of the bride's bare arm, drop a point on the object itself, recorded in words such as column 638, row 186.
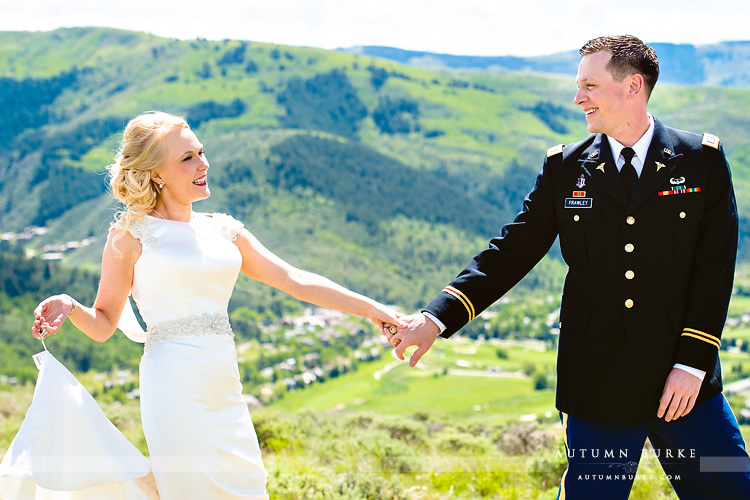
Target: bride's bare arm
column 263, row 265
column 100, row 321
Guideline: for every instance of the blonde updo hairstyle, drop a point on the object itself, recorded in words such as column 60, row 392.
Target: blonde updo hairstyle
column 141, row 153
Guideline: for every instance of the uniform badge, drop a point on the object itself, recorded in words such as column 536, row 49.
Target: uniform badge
column 659, row 166
column 554, row 150
column 579, row 194
column 579, row 202
column 667, row 151
column 581, row 182
column 601, row 167
column 680, row 190
column 677, row 180
column 710, row 140
column 594, row 154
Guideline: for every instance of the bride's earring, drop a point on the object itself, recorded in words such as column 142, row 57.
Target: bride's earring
column 161, row 185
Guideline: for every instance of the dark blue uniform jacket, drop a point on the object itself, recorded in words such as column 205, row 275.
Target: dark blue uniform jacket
column 649, row 280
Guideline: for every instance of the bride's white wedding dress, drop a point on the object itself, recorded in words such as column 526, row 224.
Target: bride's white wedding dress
column 201, row 439
column 66, row 449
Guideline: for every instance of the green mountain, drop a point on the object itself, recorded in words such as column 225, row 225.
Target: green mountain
column 725, row 64
column 382, row 176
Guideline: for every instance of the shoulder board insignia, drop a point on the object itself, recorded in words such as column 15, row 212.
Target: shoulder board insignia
column 711, row 140
column 554, row 150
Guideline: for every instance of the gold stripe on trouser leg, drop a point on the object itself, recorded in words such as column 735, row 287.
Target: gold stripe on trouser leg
column 565, row 438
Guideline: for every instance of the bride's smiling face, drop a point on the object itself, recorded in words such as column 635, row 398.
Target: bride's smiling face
column 185, row 170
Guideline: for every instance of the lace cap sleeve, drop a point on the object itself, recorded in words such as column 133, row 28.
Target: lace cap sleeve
column 141, row 230
column 228, row 225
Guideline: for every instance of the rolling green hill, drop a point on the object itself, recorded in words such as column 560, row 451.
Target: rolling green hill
column 324, row 155
column 320, row 133
column 385, row 177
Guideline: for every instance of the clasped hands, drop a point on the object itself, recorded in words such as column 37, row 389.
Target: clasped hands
column 420, row 331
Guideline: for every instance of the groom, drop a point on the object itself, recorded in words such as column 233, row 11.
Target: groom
column 647, row 222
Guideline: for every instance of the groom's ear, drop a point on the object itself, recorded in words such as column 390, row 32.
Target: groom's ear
column 636, row 85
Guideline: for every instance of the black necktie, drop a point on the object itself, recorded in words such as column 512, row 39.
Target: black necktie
column 628, row 174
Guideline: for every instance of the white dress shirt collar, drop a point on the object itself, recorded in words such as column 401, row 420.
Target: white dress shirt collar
column 640, row 148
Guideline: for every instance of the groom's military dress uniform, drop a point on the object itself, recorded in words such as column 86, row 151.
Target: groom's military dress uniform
column 648, row 287
column 649, row 279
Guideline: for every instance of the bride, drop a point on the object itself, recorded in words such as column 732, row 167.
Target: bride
column 181, row 267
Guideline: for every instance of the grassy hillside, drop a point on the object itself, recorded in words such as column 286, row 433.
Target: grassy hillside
column 451, row 430
column 456, row 155
column 462, row 147
column 452, row 382
column 396, row 174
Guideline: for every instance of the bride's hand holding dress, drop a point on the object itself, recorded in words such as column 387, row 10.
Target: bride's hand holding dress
column 50, row 314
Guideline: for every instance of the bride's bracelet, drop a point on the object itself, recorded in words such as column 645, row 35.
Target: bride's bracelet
column 73, row 303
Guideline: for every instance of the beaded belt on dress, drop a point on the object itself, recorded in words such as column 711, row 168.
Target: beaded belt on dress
column 191, row 326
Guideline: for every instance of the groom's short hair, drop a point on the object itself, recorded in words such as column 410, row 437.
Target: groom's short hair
column 629, row 55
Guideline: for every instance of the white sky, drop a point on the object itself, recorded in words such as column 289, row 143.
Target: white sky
column 471, row 27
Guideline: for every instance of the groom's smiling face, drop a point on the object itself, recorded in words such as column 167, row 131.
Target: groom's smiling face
column 603, row 99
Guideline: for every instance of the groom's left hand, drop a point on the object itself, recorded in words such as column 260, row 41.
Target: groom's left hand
column 679, row 395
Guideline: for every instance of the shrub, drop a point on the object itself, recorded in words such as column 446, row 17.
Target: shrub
column 315, row 486
column 397, row 116
column 386, row 454
column 326, row 102
column 455, row 443
column 371, row 486
column 540, row 382
column 481, row 484
column 359, row 421
column 234, row 56
column 276, row 434
column 405, row 430
column 524, row 439
column 455, row 482
column 431, row 134
column 548, row 469
column 209, row 110
column 529, row 368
